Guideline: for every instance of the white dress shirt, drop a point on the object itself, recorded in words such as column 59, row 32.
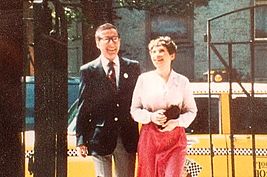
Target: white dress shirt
column 116, row 61
column 152, row 93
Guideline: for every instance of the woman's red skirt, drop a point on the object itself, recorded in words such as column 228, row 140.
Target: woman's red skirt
column 161, row 154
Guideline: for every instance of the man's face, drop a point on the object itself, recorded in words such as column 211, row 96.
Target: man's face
column 108, row 43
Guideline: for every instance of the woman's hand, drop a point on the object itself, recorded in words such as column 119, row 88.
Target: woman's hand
column 170, row 125
column 158, row 117
column 82, row 150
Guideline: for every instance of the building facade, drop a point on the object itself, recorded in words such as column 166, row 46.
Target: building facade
column 139, row 27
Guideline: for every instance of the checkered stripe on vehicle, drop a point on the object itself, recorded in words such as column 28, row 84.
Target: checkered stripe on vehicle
column 261, row 152
column 72, row 153
column 191, row 151
column 198, row 151
column 226, row 151
column 192, row 168
column 29, row 154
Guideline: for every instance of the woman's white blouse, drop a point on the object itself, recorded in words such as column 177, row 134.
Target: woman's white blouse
column 152, row 93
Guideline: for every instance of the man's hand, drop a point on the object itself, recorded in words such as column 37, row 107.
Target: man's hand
column 82, row 150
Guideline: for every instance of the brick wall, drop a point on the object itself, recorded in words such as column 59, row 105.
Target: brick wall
column 133, row 30
column 233, row 27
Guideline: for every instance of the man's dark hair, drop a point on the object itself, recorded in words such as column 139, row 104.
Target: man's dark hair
column 103, row 27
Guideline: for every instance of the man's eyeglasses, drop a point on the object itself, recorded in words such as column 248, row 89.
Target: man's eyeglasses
column 108, row 39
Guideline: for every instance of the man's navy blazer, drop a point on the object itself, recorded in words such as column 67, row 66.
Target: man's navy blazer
column 103, row 112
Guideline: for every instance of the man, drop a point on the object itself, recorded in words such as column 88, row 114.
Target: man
column 105, row 128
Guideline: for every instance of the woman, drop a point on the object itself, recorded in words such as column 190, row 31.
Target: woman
column 162, row 143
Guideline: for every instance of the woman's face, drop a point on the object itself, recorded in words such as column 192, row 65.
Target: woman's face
column 160, row 57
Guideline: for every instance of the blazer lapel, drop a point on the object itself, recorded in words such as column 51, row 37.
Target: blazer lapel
column 123, row 74
column 99, row 68
column 105, row 82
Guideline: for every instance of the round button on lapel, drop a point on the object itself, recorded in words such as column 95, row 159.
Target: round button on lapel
column 116, row 119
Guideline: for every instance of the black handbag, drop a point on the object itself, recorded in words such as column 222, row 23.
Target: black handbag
column 173, row 112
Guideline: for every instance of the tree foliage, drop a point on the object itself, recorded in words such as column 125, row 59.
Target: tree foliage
column 104, row 10
column 95, row 12
column 168, row 7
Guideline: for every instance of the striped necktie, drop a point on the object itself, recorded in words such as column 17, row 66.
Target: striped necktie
column 111, row 74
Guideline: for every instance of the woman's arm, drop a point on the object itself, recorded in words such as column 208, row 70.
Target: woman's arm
column 139, row 114
column 189, row 108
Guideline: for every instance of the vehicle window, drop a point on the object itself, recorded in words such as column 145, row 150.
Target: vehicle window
column 247, row 112
column 73, row 89
column 29, row 103
column 201, row 123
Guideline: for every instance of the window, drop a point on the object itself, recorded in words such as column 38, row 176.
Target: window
column 261, row 20
column 178, row 28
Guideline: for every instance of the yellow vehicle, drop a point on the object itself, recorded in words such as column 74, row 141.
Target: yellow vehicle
column 223, row 145
column 223, row 126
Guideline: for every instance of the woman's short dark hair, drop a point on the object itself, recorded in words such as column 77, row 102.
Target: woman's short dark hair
column 165, row 41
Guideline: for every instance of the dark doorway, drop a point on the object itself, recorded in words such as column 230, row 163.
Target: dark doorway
column 11, row 70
